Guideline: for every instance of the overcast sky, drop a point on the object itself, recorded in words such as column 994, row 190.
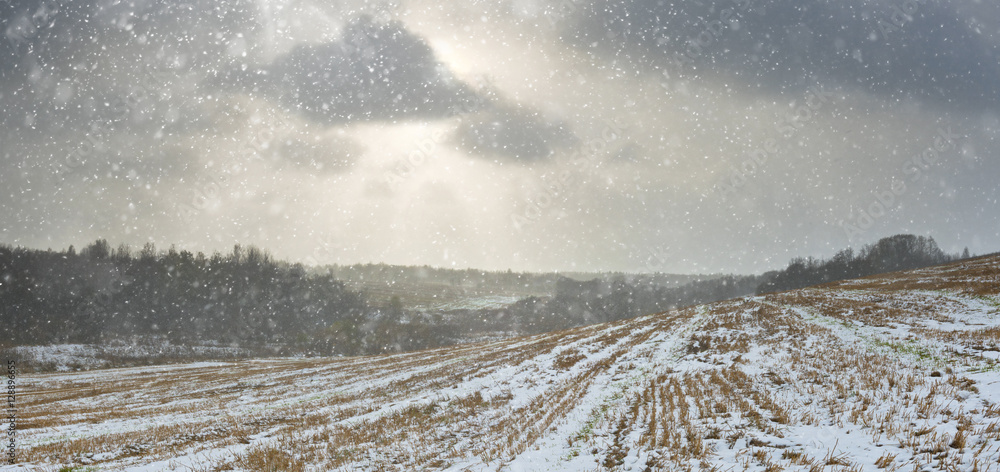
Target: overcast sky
column 694, row 136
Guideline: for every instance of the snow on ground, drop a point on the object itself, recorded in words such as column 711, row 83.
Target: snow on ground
column 897, row 372
column 74, row 357
column 473, row 303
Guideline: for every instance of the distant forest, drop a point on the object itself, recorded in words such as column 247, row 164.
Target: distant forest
column 895, row 253
column 247, row 299
column 424, row 286
column 243, row 299
column 576, row 303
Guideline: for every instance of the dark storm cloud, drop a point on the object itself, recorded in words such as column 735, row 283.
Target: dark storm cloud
column 58, row 57
column 98, row 98
column 512, row 133
column 93, row 90
column 376, row 71
column 898, row 49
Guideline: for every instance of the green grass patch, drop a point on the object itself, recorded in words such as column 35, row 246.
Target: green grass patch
column 911, row 349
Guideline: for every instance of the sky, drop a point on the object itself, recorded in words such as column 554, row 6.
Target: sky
column 534, row 135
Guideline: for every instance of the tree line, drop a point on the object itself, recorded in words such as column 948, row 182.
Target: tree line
column 578, row 303
column 891, row 254
column 246, row 299
column 599, row 300
column 243, row 299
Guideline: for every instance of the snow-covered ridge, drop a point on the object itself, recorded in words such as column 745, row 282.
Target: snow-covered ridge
column 893, row 372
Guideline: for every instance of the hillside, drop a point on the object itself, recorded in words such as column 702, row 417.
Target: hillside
column 892, row 372
column 121, row 308
column 442, row 289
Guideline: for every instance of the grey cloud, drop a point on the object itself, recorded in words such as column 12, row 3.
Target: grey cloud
column 897, row 49
column 512, row 132
column 630, row 153
column 56, row 56
column 106, row 86
column 376, row 71
column 326, row 157
column 163, row 154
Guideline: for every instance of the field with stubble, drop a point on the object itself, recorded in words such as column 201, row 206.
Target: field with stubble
column 892, row 372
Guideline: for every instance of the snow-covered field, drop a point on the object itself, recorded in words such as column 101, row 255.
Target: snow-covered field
column 72, row 357
column 897, row 372
column 473, row 303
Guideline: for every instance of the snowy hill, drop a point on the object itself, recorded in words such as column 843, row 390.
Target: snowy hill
column 892, row 372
